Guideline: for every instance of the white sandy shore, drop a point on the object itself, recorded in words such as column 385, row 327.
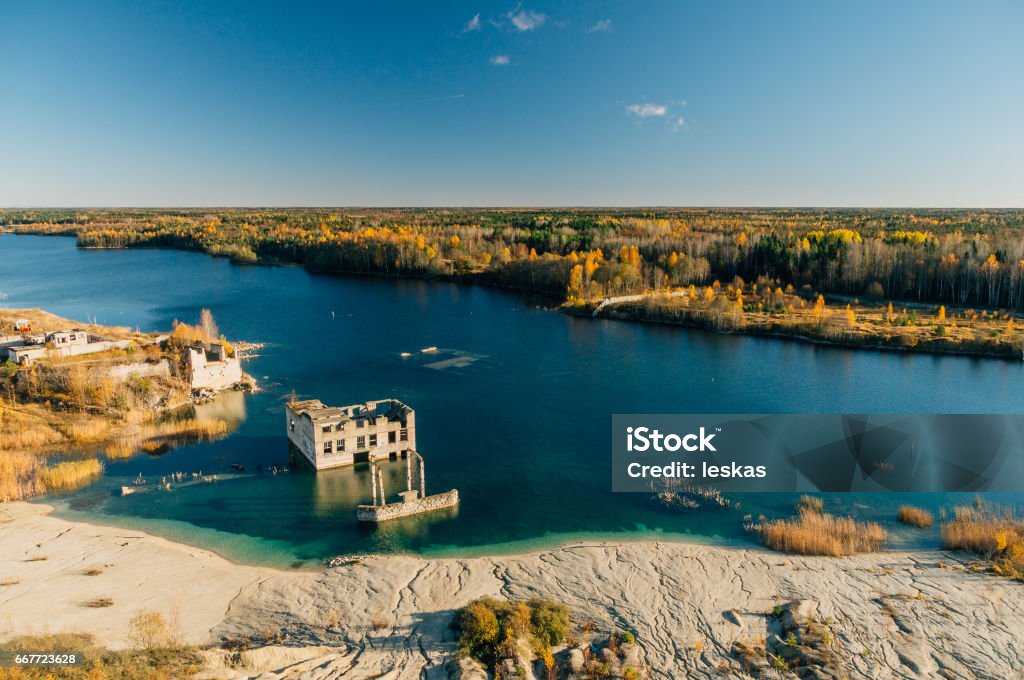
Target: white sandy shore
column 896, row 615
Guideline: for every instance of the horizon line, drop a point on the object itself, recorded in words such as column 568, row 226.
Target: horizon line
column 524, row 206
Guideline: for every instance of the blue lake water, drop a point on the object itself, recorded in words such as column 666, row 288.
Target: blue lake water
column 523, row 431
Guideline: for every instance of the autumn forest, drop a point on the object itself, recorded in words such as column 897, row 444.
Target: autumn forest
column 774, row 261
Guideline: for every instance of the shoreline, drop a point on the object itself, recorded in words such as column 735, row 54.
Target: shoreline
column 557, row 304
column 897, row 614
column 626, row 316
column 527, row 546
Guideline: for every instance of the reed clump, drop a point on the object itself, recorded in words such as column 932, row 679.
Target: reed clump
column 70, row 475
column 816, row 533
column 997, row 536
column 810, row 504
column 18, row 475
column 914, row 516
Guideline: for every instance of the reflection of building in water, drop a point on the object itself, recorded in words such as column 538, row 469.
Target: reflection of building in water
column 227, row 406
column 332, row 436
column 335, row 436
column 341, row 489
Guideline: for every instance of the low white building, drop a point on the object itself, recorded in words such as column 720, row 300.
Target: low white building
column 333, row 436
column 68, row 343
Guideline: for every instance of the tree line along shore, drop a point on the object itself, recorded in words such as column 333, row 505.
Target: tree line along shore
column 954, row 278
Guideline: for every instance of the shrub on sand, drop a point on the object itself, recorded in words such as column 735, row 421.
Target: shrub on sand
column 914, row 516
column 997, row 536
column 813, row 533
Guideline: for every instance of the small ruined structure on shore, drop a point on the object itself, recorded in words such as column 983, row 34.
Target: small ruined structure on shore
column 25, row 347
column 335, row 436
column 209, row 368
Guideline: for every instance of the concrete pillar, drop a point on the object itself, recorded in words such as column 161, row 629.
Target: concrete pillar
column 373, row 481
column 423, row 482
column 408, row 472
column 380, row 479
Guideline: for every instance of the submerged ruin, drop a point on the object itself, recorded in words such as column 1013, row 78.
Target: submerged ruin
column 328, row 437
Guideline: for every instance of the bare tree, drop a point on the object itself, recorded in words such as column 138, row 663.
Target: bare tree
column 208, row 325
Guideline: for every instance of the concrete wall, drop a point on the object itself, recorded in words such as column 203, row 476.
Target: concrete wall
column 309, row 438
column 300, row 434
column 212, row 375
column 351, row 434
column 123, row 371
column 78, row 349
column 31, row 352
column 383, row 513
column 27, row 353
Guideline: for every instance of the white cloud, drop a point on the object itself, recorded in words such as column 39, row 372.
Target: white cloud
column 647, row 110
column 526, row 20
column 678, row 123
column 602, row 26
column 473, row 24
column 500, row 60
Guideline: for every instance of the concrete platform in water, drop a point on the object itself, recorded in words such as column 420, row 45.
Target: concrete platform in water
column 408, row 506
column 414, row 501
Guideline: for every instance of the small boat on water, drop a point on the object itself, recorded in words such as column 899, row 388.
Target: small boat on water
column 405, row 355
column 427, row 350
column 238, row 466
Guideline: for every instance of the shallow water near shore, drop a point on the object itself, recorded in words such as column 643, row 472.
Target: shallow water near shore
column 519, row 422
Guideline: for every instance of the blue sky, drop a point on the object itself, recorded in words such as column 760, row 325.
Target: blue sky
column 462, row 103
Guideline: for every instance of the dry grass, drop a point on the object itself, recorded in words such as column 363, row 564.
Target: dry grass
column 26, row 427
column 99, row 663
column 99, row 603
column 810, row 504
column 88, row 430
column 29, row 433
column 70, row 475
column 813, row 533
column 44, row 322
column 914, row 516
column 19, row 475
column 997, row 536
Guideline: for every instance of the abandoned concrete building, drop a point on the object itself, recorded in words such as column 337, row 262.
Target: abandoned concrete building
column 68, row 343
column 210, row 368
column 332, row 436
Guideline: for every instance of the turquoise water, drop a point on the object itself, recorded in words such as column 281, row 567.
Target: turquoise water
column 522, row 431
